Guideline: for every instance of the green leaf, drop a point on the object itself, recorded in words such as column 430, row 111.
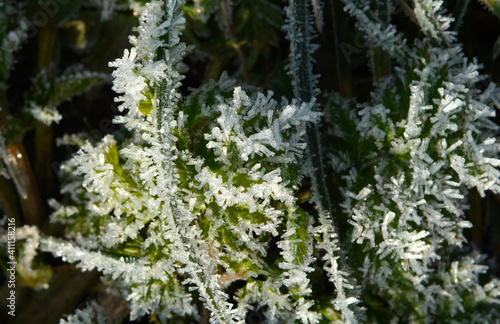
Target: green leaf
column 493, row 6
column 49, row 91
column 11, row 36
column 146, row 106
column 73, row 82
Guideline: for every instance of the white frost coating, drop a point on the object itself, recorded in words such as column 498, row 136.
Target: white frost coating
column 263, row 142
column 47, row 115
column 427, row 155
column 432, row 22
column 90, row 162
column 27, row 239
column 150, row 189
column 377, row 32
column 196, row 199
column 13, row 39
column 346, row 294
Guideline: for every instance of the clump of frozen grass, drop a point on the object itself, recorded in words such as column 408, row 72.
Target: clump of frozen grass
column 431, row 141
column 195, row 193
column 198, row 192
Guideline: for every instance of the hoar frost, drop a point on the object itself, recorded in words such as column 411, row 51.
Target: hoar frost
column 198, row 192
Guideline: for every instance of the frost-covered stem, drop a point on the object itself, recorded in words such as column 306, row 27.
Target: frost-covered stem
column 163, row 100
column 208, row 292
column 319, row 173
column 300, row 33
column 431, row 22
column 347, row 296
column 378, row 33
column 459, row 12
column 165, row 88
column 301, row 56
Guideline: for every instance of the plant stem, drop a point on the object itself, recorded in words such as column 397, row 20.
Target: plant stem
column 30, row 199
column 228, row 21
column 44, row 135
column 304, row 90
column 8, row 201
